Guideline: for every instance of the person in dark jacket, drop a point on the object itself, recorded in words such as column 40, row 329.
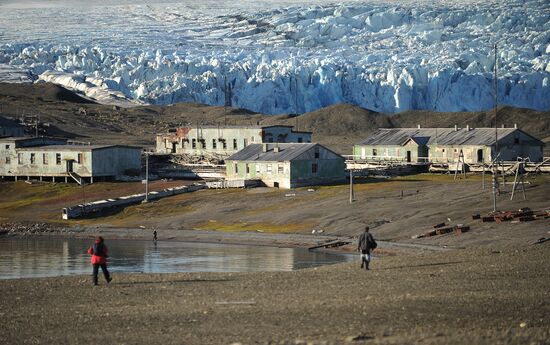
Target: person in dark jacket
column 99, row 259
column 365, row 245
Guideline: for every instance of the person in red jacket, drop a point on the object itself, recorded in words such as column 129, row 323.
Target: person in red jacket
column 99, row 259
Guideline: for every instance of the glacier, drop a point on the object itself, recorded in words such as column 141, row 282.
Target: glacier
column 287, row 56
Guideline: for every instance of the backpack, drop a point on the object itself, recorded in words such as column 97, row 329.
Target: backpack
column 99, row 249
column 373, row 243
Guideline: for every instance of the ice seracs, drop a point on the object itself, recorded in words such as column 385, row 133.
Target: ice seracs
column 389, row 57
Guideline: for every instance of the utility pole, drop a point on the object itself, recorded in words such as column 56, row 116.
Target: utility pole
column 495, row 155
column 351, row 186
column 146, row 178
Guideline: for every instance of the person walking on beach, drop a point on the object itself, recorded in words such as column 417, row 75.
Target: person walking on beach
column 99, row 259
column 365, row 245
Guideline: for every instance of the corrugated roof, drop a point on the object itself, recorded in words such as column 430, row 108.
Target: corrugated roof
column 287, row 152
column 440, row 136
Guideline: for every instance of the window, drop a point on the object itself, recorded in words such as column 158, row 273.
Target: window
column 194, row 143
column 236, row 168
column 516, row 140
column 269, row 168
column 251, row 139
column 374, row 152
column 442, row 150
column 257, row 168
column 79, row 158
column 314, row 168
column 224, row 144
column 213, row 144
column 45, row 158
column 33, row 159
column 19, row 158
column 247, row 168
column 7, row 147
column 299, row 139
column 280, row 168
column 234, row 144
column 58, row 158
column 316, row 152
column 8, row 160
column 245, row 142
column 203, row 143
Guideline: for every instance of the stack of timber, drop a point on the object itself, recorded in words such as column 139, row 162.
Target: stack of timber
column 442, row 228
column 521, row 215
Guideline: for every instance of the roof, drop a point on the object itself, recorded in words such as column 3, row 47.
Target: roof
column 5, row 122
column 74, row 147
column 438, row 136
column 287, row 152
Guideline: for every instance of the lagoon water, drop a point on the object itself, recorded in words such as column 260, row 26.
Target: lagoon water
column 39, row 257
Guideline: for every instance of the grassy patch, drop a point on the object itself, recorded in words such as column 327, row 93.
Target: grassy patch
column 261, row 227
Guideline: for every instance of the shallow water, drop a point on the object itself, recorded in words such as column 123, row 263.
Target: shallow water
column 38, row 257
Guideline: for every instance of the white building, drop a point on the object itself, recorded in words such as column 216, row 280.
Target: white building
column 221, row 142
column 47, row 158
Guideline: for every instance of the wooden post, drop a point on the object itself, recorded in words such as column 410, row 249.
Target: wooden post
column 350, row 186
column 483, row 177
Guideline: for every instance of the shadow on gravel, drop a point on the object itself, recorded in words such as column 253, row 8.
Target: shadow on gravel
column 422, row 265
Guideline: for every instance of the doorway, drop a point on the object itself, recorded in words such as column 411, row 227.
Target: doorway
column 70, row 166
column 174, row 145
column 408, row 156
column 480, row 156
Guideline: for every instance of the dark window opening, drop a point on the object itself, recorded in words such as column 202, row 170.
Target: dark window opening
column 316, row 152
column 33, row 159
column 58, row 158
column 234, row 144
column 194, row 143
column 214, row 144
column 314, row 168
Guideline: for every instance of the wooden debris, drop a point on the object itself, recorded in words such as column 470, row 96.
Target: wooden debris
column 457, row 229
column 541, row 240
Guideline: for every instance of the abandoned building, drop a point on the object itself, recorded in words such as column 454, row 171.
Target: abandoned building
column 444, row 145
column 221, row 142
column 56, row 160
column 10, row 128
column 286, row 165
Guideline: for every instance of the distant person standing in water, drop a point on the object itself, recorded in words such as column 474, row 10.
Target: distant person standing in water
column 365, row 245
column 99, row 259
column 155, row 236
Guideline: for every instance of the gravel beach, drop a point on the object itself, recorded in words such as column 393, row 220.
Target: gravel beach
column 475, row 296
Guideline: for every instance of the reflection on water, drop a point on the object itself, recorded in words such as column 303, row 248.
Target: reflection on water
column 37, row 257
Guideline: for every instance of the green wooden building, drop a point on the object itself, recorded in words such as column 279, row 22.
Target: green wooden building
column 444, row 145
column 286, row 165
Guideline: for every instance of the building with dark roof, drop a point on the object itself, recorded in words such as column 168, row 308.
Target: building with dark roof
column 286, row 165
column 443, row 145
column 54, row 159
column 10, row 128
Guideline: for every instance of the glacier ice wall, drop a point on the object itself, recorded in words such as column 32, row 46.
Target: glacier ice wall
column 276, row 58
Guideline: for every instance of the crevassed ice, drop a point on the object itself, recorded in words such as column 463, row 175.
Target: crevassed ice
column 289, row 57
